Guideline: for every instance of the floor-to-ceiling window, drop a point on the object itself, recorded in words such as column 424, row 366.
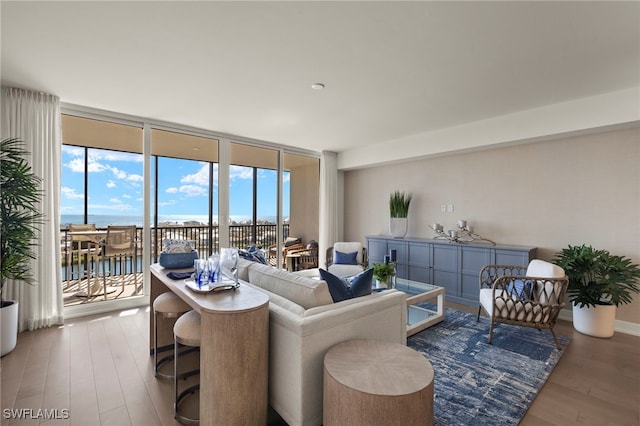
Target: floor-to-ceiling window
column 267, row 194
column 185, row 180
column 101, row 186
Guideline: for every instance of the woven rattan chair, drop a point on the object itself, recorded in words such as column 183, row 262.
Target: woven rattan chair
column 531, row 296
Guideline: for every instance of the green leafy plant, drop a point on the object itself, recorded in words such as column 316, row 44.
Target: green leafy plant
column 19, row 200
column 596, row 277
column 382, row 271
column 399, row 204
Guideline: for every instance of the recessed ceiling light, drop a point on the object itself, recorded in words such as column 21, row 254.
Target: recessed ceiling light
column 317, row 86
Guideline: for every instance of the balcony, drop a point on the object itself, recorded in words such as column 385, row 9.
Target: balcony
column 81, row 274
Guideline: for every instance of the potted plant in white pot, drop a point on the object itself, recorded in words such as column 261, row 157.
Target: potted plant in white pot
column 19, row 199
column 399, row 210
column 598, row 283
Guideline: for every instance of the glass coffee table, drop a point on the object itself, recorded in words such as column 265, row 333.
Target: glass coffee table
column 425, row 304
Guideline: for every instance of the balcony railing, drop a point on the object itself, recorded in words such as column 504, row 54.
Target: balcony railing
column 205, row 238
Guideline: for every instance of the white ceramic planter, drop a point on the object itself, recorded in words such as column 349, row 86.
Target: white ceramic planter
column 398, row 227
column 598, row 321
column 8, row 327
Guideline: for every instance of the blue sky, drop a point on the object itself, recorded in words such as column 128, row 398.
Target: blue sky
column 115, row 184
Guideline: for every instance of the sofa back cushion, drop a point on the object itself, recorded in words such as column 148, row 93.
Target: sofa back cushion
column 243, row 268
column 304, row 291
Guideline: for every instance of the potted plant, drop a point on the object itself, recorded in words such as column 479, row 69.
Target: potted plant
column 19, row 199
column 598, row 283
column 399, row 210
column 382, row 272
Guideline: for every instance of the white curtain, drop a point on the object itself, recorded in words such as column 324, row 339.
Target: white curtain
column 329, row 214
column 34, row 117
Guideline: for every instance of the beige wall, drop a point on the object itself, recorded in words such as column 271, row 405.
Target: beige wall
column 305, row 180
column 576, row 190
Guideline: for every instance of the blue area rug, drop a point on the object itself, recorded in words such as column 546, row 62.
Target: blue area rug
column 481, row 384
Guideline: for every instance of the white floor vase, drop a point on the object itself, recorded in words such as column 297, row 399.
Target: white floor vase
column 398, row 227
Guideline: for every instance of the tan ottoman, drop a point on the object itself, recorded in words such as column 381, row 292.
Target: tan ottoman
column 369, row 382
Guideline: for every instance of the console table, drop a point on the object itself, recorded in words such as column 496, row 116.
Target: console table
column 454, row 266
column 234, row 348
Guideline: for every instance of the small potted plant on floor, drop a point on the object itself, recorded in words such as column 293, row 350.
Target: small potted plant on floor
column 598, row 283
column 398, row 211
column 19, row 200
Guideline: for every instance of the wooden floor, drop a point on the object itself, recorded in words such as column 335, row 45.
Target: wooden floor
column 74, row 291
column 99, row 369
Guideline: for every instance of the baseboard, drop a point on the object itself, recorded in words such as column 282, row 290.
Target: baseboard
column 625, row 327
column 102, row 307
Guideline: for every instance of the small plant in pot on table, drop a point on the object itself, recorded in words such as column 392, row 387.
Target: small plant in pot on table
column 383, row 272
column 598, row 283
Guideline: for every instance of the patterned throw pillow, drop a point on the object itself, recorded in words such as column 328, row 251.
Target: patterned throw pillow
column 348, row 288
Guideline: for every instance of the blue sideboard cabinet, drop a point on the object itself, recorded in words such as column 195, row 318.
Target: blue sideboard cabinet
column 454, row 266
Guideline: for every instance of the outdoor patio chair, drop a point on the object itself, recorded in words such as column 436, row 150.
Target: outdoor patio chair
column 289, row 245
column 82, row 251
column 120, row 245
column 305, row 258
column 530, row 296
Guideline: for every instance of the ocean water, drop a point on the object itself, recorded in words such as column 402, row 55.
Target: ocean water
column 103, row 221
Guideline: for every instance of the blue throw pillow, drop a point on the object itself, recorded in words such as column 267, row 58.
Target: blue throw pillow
column 341, row 258
column 343, row 289
column 519, row 288
column 360, row 285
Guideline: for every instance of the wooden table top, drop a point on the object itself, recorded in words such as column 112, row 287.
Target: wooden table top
column 243, row 299
column 378, row 368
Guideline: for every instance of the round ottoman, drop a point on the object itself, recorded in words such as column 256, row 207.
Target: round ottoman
column 370, row 382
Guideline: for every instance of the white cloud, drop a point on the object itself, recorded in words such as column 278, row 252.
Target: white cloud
column 111, row 184
column 115, row 200
column 76, row 165
column 119, row 174
column 100, row 154
column 74, row 151
column 201, row 177
column 172, row 190
column 240, row 172
column 193, row 190
column 126, row 196
column 71, row 193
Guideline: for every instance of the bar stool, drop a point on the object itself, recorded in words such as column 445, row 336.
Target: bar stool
column 165, row 306
column 186, row 332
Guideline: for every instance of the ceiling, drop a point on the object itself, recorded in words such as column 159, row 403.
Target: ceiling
column 391, row 69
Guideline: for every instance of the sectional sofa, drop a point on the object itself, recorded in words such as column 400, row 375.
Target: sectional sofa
column 304, row 323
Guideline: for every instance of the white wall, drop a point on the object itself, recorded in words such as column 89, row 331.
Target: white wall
column 583, row 189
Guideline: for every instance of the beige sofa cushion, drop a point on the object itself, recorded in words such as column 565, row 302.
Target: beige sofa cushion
column 306, row 292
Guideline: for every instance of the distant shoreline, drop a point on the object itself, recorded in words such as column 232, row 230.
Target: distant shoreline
column 102, row 221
